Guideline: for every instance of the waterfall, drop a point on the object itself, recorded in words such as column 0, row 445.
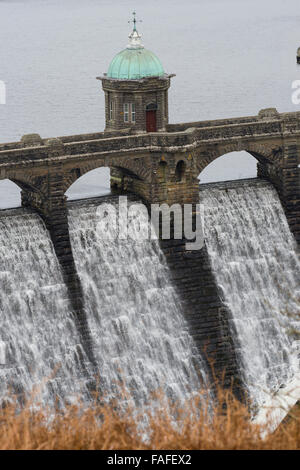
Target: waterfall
column 256, row 266
column 140, row 337
column 39, row 344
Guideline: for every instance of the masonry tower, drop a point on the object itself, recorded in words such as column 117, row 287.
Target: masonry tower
column 136, row 89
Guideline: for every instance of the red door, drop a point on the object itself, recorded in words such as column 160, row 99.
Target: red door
column 151, row 121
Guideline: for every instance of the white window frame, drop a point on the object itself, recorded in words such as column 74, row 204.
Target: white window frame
column 111, row 110
column 132, row 106
column 126, row 112
column 129, row 112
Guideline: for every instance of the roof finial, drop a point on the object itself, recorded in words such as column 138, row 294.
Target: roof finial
column 134, row 21
column 134, row 36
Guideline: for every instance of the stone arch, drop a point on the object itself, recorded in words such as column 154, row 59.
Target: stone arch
column 29, row 187
column 27, row 181
column 73, row 174
column 128, row 169
column 141, row 168
column 151, row 106
column 264, row 154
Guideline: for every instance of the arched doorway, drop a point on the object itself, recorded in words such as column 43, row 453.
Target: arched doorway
column 230, row 166
column 151, row 117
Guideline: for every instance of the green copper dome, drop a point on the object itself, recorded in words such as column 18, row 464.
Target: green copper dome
column 132, row 64
column 135, row 61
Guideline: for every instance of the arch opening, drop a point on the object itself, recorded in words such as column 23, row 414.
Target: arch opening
column 230, row 166
column 151, row 107
column 10, row 194
column 180, row 170
column 94, row 183
column 98, row 182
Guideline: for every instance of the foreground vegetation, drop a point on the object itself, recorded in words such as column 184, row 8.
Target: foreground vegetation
column 104, row 428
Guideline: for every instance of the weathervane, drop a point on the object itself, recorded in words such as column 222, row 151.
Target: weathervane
column 134, row 20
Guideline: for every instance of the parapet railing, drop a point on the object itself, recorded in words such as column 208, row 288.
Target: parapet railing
column 189, row 134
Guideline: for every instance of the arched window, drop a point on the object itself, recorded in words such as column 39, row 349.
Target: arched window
column 180, row 170
column 162, row 170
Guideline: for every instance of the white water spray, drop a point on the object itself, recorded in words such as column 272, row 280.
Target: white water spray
column 256, row 265
column 39, row 343
column 140, row 337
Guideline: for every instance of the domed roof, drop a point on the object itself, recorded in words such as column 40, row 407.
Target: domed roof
column 135, row 61
column 132, row 64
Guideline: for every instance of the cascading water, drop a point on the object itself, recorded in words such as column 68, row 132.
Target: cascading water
column 256, row 266
column 140, row 337
column 39, row 343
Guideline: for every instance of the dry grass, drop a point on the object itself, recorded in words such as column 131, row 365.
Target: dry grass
column 102, row 427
